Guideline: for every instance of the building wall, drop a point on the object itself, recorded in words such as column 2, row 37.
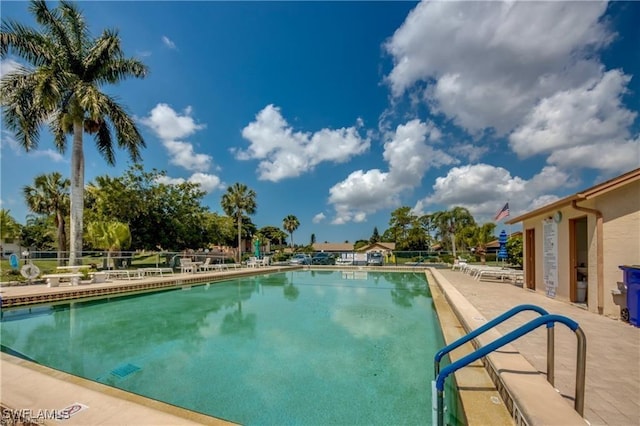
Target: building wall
column 621, row 245
column 621, row 212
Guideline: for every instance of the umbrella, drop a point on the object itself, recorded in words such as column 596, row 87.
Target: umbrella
column 502, row 240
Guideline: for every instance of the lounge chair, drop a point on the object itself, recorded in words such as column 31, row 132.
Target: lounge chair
column 188, row 266
column 208, row 266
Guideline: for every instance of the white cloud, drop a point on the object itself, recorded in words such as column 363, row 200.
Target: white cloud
column 182, row 154
column 286, row 153
column 207, row 182
column 469, row 151
column 319, row 218
column 576, row 118
column 483, row 189
column 8, row 140
column 8, row 66
column 49, row 154
column 609, row 157
column 167, row 42
column 486, row 64
column 170, row 126
column 409, row 156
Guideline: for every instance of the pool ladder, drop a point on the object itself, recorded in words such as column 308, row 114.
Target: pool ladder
column 545, row 319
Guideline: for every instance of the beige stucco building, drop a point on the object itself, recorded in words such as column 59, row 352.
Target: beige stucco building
column 581, row 240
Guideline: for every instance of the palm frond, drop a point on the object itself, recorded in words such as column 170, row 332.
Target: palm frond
column 27, row 43
column 119, row 69
column 53, row 22
column 60, row 128
column 129, row 138
column 76, row 26
column 104, row 144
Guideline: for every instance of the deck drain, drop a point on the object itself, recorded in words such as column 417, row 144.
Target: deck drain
column 125, row 370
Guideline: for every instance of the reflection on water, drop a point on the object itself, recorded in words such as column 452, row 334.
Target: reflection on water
column 296, row 347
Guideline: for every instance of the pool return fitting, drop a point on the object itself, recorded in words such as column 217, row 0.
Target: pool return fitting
column 545, row 319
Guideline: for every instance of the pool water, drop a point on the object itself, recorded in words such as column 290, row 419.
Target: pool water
column 298, row 347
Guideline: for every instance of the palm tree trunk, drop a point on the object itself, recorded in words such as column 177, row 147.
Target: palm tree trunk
column 453, row 245
column 77, row 193
column 62, row 238
column 239, row 238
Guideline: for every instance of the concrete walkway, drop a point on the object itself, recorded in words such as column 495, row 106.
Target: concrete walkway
column 612, row 395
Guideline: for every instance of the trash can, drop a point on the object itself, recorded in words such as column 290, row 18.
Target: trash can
column 631, row 279
column 582, row 291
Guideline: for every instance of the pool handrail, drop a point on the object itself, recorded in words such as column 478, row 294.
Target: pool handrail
column 491, row 324
column 508, row 338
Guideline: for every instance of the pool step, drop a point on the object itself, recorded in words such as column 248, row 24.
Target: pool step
column 124, row 370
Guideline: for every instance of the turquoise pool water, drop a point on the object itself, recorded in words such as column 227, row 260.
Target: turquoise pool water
column 298, row 347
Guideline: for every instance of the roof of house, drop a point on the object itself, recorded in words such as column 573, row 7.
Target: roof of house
column 586, row 194
column 378, row 246
column 333, row 246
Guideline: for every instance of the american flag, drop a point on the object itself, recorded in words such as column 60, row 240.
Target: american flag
column 504, row 212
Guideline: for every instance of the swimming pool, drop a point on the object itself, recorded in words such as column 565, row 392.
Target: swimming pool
column 297, row 347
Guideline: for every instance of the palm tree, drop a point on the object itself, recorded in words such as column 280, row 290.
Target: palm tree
column 9, row 228
column 61, row 88
column 49, row 195
column 482, row 236
column 449, row 223
column 290, row 224
column 239, row 199
column 111, row 236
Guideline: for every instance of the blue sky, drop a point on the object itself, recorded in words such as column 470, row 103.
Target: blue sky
column 338, row 113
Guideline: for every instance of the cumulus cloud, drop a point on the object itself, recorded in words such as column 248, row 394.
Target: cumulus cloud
column 182, row 154
column 577, row 120
column 207, row 182
column 286, row 153
column 170, row 127
column 319, row 218
column 409, row 153
column 483, row 188
column 168, row 42
column 608, row 157
column 486, row 64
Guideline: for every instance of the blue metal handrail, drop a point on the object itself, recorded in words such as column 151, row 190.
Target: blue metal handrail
column 491, row 324
column 508, row 338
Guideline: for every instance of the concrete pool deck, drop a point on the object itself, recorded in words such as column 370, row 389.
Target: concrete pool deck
column 612, row 392
column 612, row 395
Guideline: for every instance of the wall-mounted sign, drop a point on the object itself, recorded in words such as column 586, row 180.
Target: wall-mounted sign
column 550, row 256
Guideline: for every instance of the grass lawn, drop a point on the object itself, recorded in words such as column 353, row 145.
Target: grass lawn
column 48, row 266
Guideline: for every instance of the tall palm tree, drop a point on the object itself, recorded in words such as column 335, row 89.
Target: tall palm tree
column 449, row 223
column 61, row 88
column 238, row 200
column 290, row 224
column 49, row 195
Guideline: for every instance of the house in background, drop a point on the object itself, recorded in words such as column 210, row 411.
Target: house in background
column 333, row 247
column 572, row 248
